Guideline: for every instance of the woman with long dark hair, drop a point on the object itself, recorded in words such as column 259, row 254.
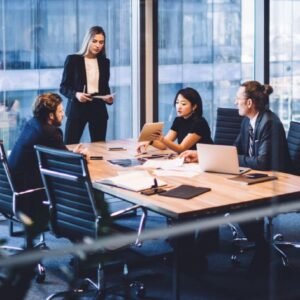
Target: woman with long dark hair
column 188, row 128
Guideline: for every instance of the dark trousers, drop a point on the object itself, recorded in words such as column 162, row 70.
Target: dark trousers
column 74, row 129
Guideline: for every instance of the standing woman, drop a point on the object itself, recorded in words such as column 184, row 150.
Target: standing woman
column 85, row 75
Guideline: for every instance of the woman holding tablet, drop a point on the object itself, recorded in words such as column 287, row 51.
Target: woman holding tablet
column 188, row 128
column 85, row 82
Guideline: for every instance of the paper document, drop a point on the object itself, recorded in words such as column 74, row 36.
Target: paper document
column 184, row 170
column 133, row 180
column 165, row 164
column 104, row 97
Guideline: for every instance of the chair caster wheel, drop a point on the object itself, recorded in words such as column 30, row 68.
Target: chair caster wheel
column 234, row 260
column 40, row 278
column 138, row 289
column 141, row 291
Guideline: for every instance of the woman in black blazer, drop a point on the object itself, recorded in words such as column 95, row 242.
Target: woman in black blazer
column 86, row 75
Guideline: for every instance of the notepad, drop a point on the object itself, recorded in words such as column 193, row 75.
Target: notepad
column 244, row 179
column 134, row 181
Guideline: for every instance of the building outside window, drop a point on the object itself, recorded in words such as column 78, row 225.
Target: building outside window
column 207, row 45
column 285, row 59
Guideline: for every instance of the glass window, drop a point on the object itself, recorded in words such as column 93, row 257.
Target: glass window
column 34, row 46
column 207, row 45
column 284, row 59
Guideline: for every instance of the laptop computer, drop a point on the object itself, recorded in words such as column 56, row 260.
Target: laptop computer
column 219, row 159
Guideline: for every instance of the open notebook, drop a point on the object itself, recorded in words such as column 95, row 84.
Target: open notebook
column 133, row 180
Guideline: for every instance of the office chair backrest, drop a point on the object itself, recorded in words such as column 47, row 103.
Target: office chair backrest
column 73, row 212
column 293, row 140
column 228, row 126
column 6, row 185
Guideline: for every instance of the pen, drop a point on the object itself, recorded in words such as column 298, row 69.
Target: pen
column 84, row 88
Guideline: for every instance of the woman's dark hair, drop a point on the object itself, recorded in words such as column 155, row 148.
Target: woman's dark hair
column 88, row 37
column 45, row 104
column 192, row 96
column 259, row 93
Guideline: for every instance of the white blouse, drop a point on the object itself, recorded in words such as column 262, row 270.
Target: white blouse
column 92, row 74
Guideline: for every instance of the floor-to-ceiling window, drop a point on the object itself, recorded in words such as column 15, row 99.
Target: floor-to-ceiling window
column 207, row 45
column 35, row 39
column 285, row 58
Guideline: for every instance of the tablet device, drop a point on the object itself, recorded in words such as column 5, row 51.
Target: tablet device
column 149, row 129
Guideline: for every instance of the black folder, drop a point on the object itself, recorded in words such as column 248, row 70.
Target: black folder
column 185, row 191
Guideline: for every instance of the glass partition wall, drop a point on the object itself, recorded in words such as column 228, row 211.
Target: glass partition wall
column 207, row 45
column 35, row 39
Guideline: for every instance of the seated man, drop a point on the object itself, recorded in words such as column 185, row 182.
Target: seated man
column 42, row 129
column 261, row 145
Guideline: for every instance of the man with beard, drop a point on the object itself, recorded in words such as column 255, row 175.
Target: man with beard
column 41, row 129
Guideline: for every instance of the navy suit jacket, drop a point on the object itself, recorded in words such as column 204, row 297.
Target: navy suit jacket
column 270, row 144
column 74, row 80
column 22, row 160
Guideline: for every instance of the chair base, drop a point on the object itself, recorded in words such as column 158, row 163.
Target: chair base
column 100, row 293
column 278, row 242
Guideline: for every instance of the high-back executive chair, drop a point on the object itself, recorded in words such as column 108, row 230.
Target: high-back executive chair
column 11, row 209
column 228, row 126
column 293, row 139
column 77, row 211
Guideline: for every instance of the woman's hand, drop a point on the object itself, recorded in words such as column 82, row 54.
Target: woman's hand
column 83, row 97
column 157, row 135
column 109, row 100
column 142, row 147
column 189, row 156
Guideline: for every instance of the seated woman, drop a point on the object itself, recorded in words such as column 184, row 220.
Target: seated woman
column 189, row 127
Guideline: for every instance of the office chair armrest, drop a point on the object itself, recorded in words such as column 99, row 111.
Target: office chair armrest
column 116, row 214
column 20, row 194
column 28, row 191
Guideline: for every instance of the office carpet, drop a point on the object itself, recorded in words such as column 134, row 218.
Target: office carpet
column 223, row 280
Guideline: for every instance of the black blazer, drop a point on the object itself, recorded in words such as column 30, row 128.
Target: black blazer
column 22, row 160
column 270, row 144
column 74, row 79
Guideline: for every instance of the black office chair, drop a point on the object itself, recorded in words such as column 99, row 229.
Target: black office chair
column 293, row 139
column 77, row 211
column 10, row 207
column 228, row 125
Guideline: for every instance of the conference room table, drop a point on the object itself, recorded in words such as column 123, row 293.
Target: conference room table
column 225, row 195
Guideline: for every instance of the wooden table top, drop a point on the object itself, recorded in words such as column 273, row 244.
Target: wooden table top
column 224, row 195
